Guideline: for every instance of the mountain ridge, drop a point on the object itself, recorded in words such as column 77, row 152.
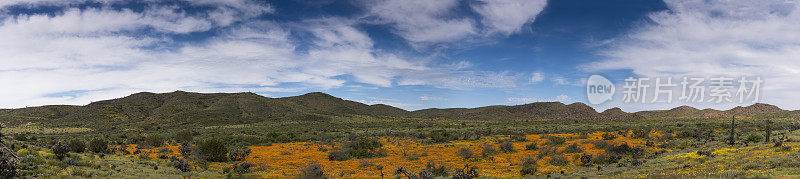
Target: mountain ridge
column 189, row 107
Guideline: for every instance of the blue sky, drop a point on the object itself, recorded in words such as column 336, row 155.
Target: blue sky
column 412, row 54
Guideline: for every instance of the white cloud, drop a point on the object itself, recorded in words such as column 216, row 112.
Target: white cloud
column 508, row 16
column 423, row 21
column 560, row 80
column 532, row 99
column 391, row 103
column 431, row 98
column 445, row 78
column 522, row 100
column 537, row 77
column 564, row 99
column 704, row 38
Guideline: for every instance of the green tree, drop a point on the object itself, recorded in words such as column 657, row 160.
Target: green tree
column 184, row 136
column 98, row 145
column 76, row 145
column 60, row 149
column 213, row 150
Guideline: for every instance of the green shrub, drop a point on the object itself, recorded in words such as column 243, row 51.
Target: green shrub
column 586, row 160
column 600, row 144
column 624, row 149
column 547, row 150
column 465, row 153
column 488, row 150
column 519, row 137
column 180, row 164
column 312, row 170
column 98, row 145
column 184, row 136
column 440, row 136
column 752, row 137
column 467, row 172
column 531, row 146
column 529, row 166
column 506, row 145
column 604, row 158
column 76, row 145
column 573, row 148
column 364, row 147
column 8, row 167
column 243, row 167
column 155, row 140
column 239, row 154
column 60, row 150
column 186, row 149
column 436, row 169
column 338, row 155
column 554, row 140
column 213, row 151
column 641, row 133
column 559, row 160
column 609, row 136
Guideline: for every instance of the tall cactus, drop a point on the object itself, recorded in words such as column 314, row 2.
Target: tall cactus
column 767, row 130
column 732, row 139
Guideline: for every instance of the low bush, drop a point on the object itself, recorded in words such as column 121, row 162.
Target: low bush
column 531, row 146
column 76, row 145
column 239, row 154
column 529, row 166
column 60, row 150
column 604, row 158
column 98, row 145
column 184, row 136
column 573, row 148
column 506, row 145
column 436, row 169
column 180, row 164
column 212, row 150
column 364, row 147
column 440, row 136
column 554, row 140
column 586, row 160
column 600, row 144
column 338, row 155
column 609, row 136
column 488, row 150
column 752, row 137
column 559, row 160
column 624, row 149
column 666, row 137
column 243, row 167
column 519, row 137
column 465, row 153
column 312, row 171
column 643, row 133
column 547, row 150
column 467, row 172
column 155, row 140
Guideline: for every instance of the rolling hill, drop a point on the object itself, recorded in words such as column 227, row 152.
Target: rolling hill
column 181, row 108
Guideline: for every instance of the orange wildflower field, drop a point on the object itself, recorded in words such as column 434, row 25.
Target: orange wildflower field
column 281, row 160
